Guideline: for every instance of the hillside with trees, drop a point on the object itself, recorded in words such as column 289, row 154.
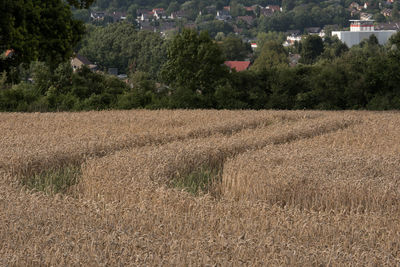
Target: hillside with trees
column 184, row 68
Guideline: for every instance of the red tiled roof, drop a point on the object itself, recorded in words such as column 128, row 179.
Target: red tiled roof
column 158, row 10
column 238, row 65
column 274, row 8
column 9, row 52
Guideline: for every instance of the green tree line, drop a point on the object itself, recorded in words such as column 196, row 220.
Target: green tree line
column 193, row 75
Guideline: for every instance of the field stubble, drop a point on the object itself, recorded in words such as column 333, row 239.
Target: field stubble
column 296, row 188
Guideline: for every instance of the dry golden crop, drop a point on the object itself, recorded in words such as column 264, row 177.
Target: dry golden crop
column 284, row 188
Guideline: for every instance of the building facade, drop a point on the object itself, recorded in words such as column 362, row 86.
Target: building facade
column 360, row 30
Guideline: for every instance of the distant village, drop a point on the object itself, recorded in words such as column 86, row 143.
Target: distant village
column 158, row 20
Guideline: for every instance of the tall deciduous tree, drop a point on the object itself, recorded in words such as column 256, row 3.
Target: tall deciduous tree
column 38, row 30
column 311, row 48
column 120, row 45
column 272, row 55
column 234, row 48
column 193, row 69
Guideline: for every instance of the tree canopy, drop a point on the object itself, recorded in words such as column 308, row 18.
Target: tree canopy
column 120, row 45
column 193, row 69
column 38, row 30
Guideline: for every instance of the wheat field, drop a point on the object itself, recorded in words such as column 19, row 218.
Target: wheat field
column 199, row 188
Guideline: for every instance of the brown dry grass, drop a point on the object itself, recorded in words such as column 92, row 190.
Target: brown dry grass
column 298, row 188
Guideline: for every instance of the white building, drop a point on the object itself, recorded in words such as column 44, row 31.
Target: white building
column 360, row 30
column 291, row 39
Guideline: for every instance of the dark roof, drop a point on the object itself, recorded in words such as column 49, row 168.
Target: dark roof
column 99, row 14
column 388, row 26
column 83, row 59
column 313, row 29
column 143, row 11
column 293, row 32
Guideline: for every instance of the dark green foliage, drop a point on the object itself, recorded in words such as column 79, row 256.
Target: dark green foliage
column 81, row 3
column 366, row 76
column 312, row 47
column 299, row 14
column 120, row 45
column 272, row 55
column 333, row 48
column 37, row 30
column 62, row 90
column 193, row 70
column 141, row 94
column 229, row 97
column 233, row 48
column 215, row 26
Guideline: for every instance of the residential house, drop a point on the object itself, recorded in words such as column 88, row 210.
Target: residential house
column 248, row 19
column 291, row 39
column 293, row 32
column 227, row 8
column 355, row 5
column 266, row 12
column 97, row 16
column 118, row 16
column 238, row 65
column 254, row 46
column 159, row 13
column 365, row 16
column 313, row 30
column 274, row 8
column 354, row 12
column 389, row 26
column 181, row 14
column 146, row 16
column 223, row 15
column 386, row 12
column 355, row 9
column 78, row 61
column 141, row 11
column 211, row 9
column 366, row 4
column 389, row 3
